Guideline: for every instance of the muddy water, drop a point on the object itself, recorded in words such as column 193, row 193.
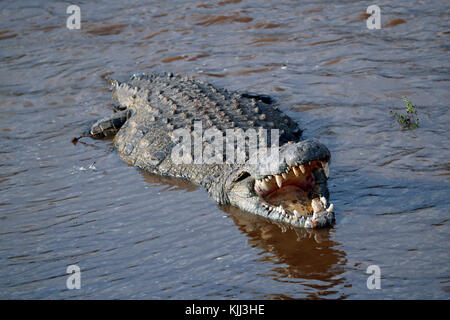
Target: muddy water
column 136, row 235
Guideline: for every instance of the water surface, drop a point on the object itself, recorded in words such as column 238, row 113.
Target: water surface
column 137, row 235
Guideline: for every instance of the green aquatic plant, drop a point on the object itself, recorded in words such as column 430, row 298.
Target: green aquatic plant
column 410, row 119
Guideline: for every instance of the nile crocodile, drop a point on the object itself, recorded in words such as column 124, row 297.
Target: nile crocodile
column 150, row 108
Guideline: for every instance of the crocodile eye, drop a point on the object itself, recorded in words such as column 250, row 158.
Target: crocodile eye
column 241, row 176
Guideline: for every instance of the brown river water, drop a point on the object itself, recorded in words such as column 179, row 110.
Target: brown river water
column 141, row 236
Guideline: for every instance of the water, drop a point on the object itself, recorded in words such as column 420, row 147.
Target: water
column 136, row 235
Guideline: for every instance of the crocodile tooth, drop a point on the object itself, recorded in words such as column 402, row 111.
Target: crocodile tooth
column 267, row 179
column 317, row 206
column 297, row 214
column 330, row 208
column 284, row 175
column 288, row 169
column 259, row 184
column 279, row 180
column 324, row 201
column 326, row 169
column 296, row 171
column 265, row 185
column 302, row 167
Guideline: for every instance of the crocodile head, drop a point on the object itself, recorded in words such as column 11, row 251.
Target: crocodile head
column 291, row 190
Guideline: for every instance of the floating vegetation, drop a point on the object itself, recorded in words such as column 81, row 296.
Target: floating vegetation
column 410, row 119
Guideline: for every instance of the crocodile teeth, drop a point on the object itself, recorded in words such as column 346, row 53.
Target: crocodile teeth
column 265, row 185
column 284, row 175
column 296, row 171
column 330, row 208
column 317, row 206
column 302, row 168
column 324, row 201
column 326, row 169
column 279, row 180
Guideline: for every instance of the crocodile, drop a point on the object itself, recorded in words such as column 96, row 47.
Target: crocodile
column 151, row 108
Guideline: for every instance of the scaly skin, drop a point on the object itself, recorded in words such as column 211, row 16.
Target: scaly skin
column 155, row 105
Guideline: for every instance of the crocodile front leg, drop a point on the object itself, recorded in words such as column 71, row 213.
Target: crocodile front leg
column 109, row 125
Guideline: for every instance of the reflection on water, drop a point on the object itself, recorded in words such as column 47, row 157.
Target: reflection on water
column 169, row 182
column 136, row 235
column 301, row 256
